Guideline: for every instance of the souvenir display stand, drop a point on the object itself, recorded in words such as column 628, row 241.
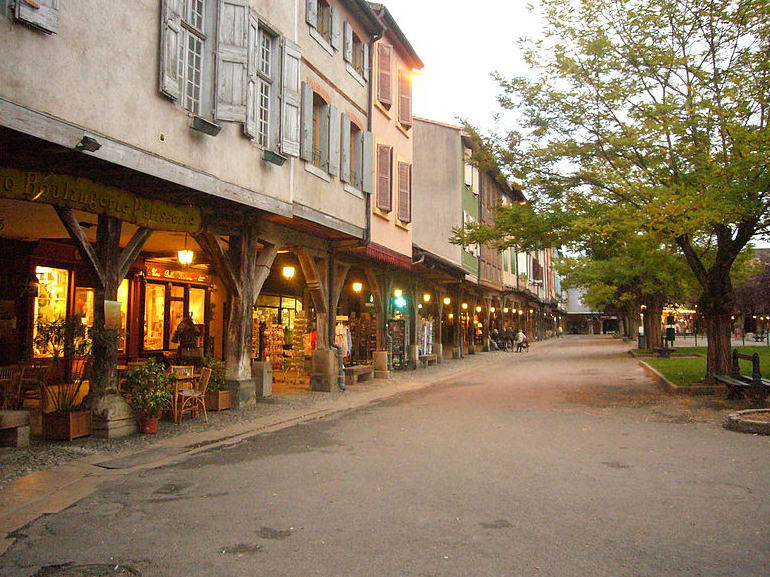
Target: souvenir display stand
column 295, row 372
column 398, row 329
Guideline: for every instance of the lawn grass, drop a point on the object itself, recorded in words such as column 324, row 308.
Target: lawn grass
column 690, row 370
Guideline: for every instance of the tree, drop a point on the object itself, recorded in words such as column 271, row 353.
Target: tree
column 656, row 111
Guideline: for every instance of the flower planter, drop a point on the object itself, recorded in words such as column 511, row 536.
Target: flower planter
column 148, row 426
column 219, row 400
column 66, row 425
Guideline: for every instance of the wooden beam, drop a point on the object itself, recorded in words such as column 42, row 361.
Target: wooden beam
column 342, row 276
column 264, row 264
column 131, row 251
column 212, row 245
column 316, row 282
column 86, row 250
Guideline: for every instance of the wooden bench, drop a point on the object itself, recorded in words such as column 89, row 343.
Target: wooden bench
column 427, row 360
column 739, row 385
column 663, row 352
column 358, row 373
column 14, row 428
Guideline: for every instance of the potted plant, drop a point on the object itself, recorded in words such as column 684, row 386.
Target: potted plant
column 148, row 391
column 69, row 344
column 218, row 396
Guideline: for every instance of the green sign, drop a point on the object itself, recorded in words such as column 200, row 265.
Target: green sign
column 88, row 196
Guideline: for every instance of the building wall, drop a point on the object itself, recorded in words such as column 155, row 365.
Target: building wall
column 387, row 229
column 437, row 206
column 100, row 71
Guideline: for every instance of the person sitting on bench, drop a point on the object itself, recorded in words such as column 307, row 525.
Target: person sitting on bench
column 520, row 340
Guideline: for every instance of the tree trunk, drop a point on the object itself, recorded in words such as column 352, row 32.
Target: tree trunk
column 717, row 314
column 652, row 316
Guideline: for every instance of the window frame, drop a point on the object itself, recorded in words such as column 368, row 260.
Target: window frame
column 267, row 81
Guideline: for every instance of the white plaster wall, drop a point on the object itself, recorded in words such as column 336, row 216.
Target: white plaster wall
column 100, row 71
column 437, row 178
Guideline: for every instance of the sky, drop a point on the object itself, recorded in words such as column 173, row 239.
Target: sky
column 461, row 45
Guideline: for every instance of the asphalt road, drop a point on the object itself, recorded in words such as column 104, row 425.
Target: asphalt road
column 564, row 461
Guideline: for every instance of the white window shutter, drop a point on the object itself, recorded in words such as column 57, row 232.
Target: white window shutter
column 311, row 13
column 306, row 148
column 335, row 36
column 404, row 99
column 384, row 196
column 365, row 49
column 291, row 100
column 384, row 74
column 170, row 39
column 232, row 60
column 252, row 106
column 367, row 168
column 345, row 148
column 42, row 14
column 334, row 140
column 347, row 51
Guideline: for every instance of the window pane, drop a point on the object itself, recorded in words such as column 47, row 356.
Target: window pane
column 84, row 305
column 123, row 300
column 264, row 113
column 177, row 291
column 154, row 320
column 176, row 314
column 51, row 301
column 197, row 305
column 265, row 54
column 268, row 301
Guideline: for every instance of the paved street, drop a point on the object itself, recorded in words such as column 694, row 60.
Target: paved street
column 565, row 461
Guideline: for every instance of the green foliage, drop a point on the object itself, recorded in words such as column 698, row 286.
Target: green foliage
column 68, row 341
column 148, row 389
column 217, row 379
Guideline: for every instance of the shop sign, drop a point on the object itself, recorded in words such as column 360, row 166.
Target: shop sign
column 88, row 196
column 178, row 275
column 112, row 320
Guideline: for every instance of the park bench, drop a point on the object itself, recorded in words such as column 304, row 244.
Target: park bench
column 759, row 337
column 426, row 360
column 738, row 385
column 357, row 373
column 663, row 352
column 14, row 428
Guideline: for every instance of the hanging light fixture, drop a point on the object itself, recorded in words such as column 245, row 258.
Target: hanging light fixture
column 447, row 300
column 398, row 293
column 357, row 287
column 478, row 309
column 465, row 306
column 426, row 297
column 185, row 256
column 505, row 310
column 288, row 271
column 492, row 309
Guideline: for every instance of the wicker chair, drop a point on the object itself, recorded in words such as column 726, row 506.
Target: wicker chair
column 10, row 387
column 193, row 399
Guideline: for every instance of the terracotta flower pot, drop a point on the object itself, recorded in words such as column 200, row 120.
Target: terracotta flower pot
column 149, row 425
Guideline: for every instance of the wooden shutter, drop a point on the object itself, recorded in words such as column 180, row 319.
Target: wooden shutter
column 232, row 60
column 335, row 32
column 345, row 148
column 291, row 100
column 334, row 140
column 311, row 13
column 306, row 123
column 384, row 74
column 347, row 49
column 404, row 192
column 170, row 39
column 384, row 193
column 404, row 99
column 367, row 162
column 252, row 94
column 365, row 60
column 42, row 14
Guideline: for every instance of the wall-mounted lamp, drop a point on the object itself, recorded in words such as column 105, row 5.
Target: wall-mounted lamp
column 288, row 271
column 426, row 297
column 521, row 312
column 492, row 309
column 465, row 306
column 447, row 300
column 505, row 310
column 478, row 309
column 450, row 316
column 88, row 144
column 357, row 287
column 398, row 293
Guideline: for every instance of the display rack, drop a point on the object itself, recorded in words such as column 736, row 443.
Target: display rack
column 363, row 331
column 398, row 329
column 295, row 367
column 274, row 347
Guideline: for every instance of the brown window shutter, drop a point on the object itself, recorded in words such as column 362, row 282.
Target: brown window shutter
column 404, row 192
column 384, row 74
column 405, row 99
column 384, row 196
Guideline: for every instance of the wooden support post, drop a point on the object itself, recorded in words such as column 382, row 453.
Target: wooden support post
column 109, row 265
column 315, row 271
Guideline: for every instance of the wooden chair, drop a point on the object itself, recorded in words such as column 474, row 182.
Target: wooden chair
column 10, row 387
column 193, row 399
column 182, row 370
column 33, row 382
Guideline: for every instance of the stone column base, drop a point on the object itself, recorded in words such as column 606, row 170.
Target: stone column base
column 414, row 361
column 323, row 374
column 381, row 365
column 244, row 392
column 438, row 349
column 456, row 353
column 262, row 373
column 113, row 418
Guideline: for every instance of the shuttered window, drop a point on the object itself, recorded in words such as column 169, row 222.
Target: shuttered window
column 385, row 74
column 41, row 14
column 384, row 170
column 404, row 192
column 405, row 98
